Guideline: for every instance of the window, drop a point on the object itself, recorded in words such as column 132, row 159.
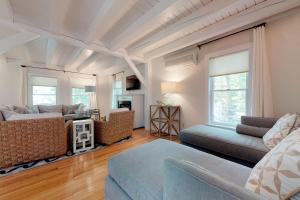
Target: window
column 116, row 91
column 228, row 86
column 43, row 90
column 80, row 96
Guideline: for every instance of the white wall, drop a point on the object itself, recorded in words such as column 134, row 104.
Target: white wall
column 283, row 43
column 10, row 83
column 193, row 99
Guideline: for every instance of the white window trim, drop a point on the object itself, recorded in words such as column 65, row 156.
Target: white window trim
column 207, row 57
column 29, row 87
column 78, row 95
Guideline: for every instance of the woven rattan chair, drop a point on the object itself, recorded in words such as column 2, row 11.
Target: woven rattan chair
column 119, row 126
column 25, row 141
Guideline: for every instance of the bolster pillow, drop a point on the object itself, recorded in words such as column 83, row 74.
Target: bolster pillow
column 251, row 130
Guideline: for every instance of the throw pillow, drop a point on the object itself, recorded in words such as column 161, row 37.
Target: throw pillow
column 7, row 113
column 277, row 174
column 33, row 109
column 71, row 109
column 21, row 110
column 279, row 131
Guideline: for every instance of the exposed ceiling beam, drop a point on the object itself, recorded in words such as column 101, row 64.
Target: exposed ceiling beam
column 58, row 13
column 88, row 62
column 73, row 57
column 106, row 8
column 15, row 40
column 111, row 12
column 134, row 69
column 84, row 55
column 51, row 47
column 193, row 20
column 90, row 46
column 251, row 16
column 140, row 27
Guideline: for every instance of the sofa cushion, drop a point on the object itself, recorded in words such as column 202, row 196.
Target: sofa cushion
column 50, row 109
column 225, row 141
column 139, row 171
column 18, row 116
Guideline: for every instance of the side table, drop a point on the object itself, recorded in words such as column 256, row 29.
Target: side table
column 165, row 120
column 83, row 135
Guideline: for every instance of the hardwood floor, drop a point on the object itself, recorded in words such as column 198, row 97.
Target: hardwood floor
column 79, row 177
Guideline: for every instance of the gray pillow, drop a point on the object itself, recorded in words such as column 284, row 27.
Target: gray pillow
column 70, row 109
column 7, row 113
column 33, row 109
column 21, row 110
column 50, row 109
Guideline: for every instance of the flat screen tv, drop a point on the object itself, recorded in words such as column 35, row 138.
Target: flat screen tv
column 132, row 83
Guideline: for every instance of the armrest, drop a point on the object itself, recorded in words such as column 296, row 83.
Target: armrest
column 264, row 122
column 184, row 180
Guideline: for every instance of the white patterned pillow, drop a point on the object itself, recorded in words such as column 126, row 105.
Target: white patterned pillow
column 277, row 175
column 279, row 131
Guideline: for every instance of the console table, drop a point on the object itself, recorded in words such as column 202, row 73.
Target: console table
column 165, row 120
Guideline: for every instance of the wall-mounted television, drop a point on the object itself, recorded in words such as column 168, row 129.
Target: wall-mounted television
column 133, row 83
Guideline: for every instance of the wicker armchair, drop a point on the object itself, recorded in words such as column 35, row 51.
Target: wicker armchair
column 29, row 140
column 119, row 126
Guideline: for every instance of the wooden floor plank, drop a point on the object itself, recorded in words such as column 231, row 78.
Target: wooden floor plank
column 79, row 177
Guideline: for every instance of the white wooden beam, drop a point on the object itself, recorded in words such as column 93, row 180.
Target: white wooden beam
column 73, row 57
column 142, row 25
column 191, row 21
column 88, row 62
column 99, row 20
column 251, row 16
column 84, row 55
column 51, row 47
column 109, row 14
column 90, row 46
column 58, row 13
column 16, row 40
column 134, row 69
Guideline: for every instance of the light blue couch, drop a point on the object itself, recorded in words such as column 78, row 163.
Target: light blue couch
column 167, row 170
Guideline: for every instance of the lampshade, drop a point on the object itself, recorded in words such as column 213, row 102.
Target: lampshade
column 169, row 87
column 90, row 89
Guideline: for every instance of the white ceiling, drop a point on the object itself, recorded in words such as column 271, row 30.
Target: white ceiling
column 93, row 35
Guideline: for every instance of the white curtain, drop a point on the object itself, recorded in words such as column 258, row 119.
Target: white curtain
column 262, row 104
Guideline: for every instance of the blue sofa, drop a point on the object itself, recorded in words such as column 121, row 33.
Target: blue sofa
column 165, row 170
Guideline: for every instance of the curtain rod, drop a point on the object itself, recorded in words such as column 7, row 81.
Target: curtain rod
column 117, row 73
column 58, row 70
column 262, row 24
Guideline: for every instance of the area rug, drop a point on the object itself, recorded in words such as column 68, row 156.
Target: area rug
column 38, row 163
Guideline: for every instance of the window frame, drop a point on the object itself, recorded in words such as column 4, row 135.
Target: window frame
column 29, row 88
column 211, row 99
column 236, row 49
column 114, row 96
column 32, row 94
